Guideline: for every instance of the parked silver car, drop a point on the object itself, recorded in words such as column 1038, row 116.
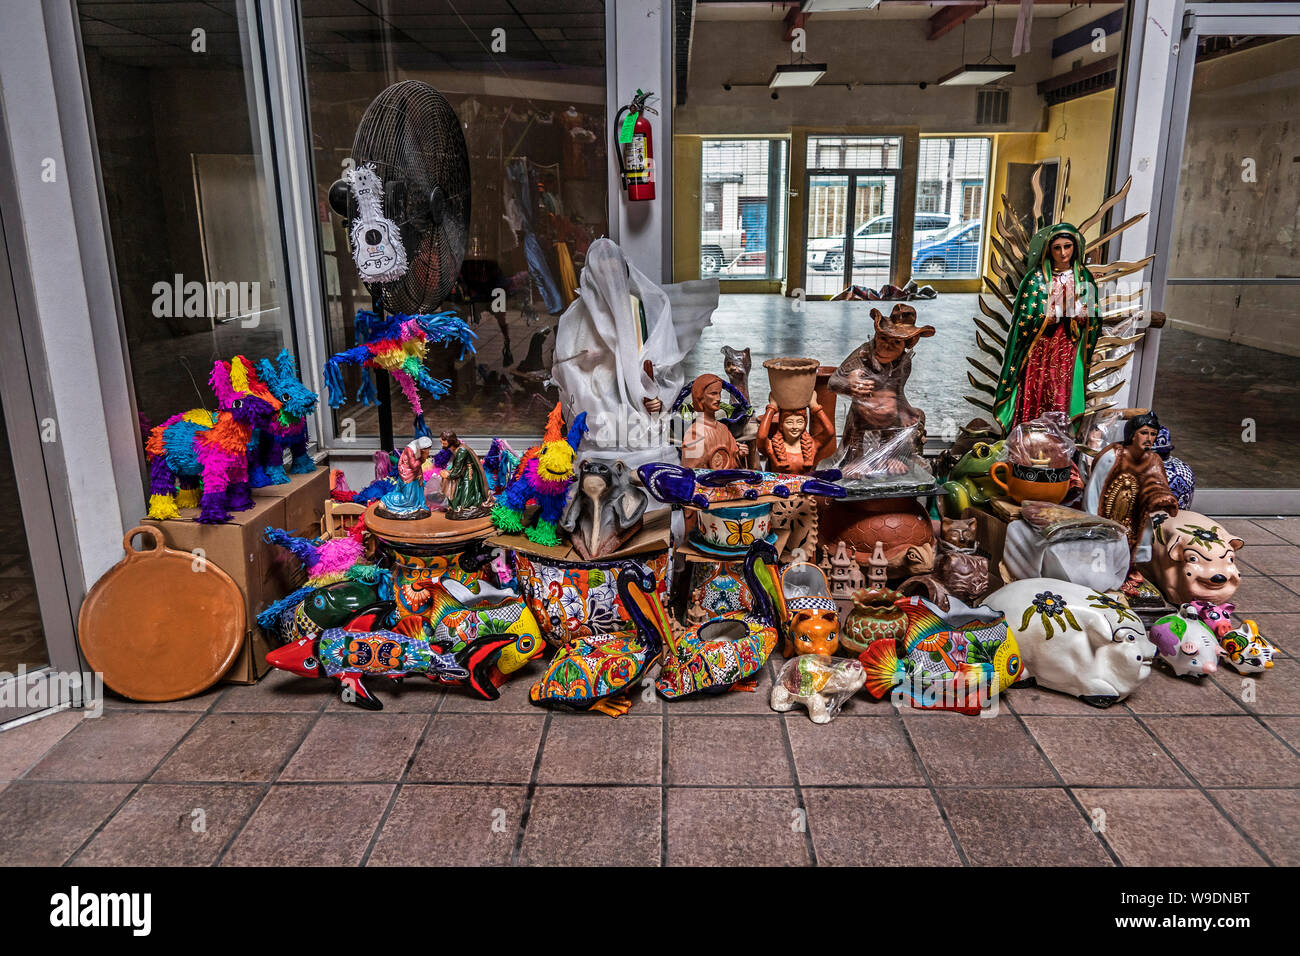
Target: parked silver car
column 872, row 241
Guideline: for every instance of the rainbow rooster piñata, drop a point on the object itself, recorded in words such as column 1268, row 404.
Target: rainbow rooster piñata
column 397, row 344
column 200, row 458
column 543, row 476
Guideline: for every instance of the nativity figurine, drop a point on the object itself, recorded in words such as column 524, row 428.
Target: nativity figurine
column 406, row 501
column 464, row 485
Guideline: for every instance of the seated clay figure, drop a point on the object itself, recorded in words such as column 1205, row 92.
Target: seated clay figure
column 708, row 443
column 875, row 374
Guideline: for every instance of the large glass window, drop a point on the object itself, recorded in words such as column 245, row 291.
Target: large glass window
column 948, row 229
column 184, row 150
column 527, row 83
column 1229, row 363
column 742, row 208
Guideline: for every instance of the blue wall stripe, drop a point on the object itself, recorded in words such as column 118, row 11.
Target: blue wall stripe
column 1082, row 36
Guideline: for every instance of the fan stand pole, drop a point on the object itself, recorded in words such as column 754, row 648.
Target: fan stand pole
column 382, row 388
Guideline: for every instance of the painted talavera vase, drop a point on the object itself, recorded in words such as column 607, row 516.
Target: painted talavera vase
column 580, row 599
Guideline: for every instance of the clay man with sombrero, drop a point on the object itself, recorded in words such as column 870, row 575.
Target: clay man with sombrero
column 874, row 375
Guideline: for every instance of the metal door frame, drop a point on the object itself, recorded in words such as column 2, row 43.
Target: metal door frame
column 850, row 199
column 1200, row 20
column 24, row 391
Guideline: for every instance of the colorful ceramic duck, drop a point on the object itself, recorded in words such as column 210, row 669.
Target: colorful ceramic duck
column 722, row 651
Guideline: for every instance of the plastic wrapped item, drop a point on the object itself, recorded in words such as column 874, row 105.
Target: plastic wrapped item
column 887, row 459
column 1057, row 542
column 618, row 354
column 820, row 683
column 1044, row 442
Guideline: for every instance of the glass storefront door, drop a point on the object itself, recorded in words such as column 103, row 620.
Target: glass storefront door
column 36, row 628
column 1227, row 377
column 849, row 230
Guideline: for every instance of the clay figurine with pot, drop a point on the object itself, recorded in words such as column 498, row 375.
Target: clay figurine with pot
column 795, row 432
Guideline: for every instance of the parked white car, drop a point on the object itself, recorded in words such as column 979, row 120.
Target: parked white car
column 873, row 241
column 718, row 247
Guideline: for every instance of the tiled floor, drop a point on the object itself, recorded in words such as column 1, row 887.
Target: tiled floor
column 284, row 773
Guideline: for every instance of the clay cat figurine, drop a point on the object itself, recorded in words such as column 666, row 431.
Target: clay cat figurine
column 962, row 571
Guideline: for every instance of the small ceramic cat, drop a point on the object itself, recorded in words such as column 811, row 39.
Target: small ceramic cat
column 958, row 533
column 736, row 364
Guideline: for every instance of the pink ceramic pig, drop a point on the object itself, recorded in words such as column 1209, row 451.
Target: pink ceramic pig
column 1217, row 617
column 1187, row 645
column 1193, row 558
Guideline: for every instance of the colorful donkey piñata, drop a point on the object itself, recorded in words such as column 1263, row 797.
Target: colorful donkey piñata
column 397, row 344
column 200, row 458
column 543, row 475
column 286, row 430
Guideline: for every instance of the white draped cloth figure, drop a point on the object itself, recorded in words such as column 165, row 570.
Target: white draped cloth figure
column 608, row 378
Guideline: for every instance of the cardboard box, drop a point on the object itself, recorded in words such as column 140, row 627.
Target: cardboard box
column 263, row 572
column 304, row 498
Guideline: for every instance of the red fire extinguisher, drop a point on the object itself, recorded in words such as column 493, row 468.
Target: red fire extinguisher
column 636, row 155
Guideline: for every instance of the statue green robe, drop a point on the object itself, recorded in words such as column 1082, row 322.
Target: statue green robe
column 1029, row 320
column 471, row 485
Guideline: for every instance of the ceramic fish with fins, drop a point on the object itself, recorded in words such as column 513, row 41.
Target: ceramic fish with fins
column 407, row 651
column 948, row 661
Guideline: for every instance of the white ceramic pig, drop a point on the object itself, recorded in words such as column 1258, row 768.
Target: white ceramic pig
column 1076, row 640
column 1186, row 643
column 1193, row 558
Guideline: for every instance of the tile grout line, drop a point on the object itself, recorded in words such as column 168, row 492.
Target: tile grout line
column 663, row 784
column 532, row 789
column 267, row 785
column 809, row 845
column 1101, row 837
column 1205, row 793
column 401, row 781
column 929, row 785
column 202, row 715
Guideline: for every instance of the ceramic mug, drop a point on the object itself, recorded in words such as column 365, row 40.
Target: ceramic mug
column 1027, row 483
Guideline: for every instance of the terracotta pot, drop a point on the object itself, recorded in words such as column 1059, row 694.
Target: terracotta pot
column 874, row 616
column 791, row 381
column 898, row 523
column 1029, row 483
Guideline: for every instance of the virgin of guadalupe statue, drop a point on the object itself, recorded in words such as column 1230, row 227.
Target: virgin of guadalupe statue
column 1055, row 325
